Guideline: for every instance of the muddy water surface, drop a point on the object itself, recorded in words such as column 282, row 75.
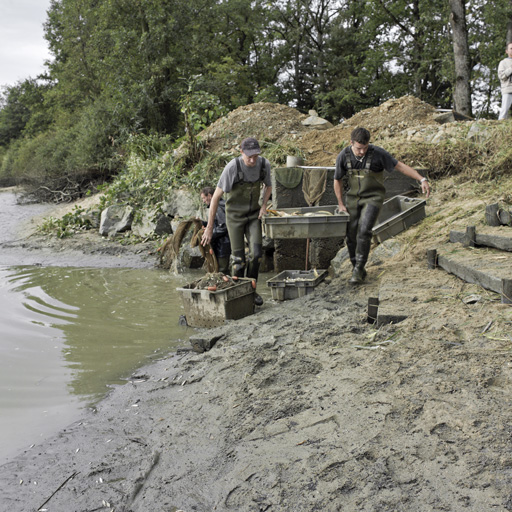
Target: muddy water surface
column 68, row 334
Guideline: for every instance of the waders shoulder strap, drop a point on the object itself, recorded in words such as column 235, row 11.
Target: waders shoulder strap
column 240, row 174
column 366, row 168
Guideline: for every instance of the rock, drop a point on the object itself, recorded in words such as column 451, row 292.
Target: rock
column 385, row 251
column 505, row 217
column 163, row 225
column 478, row 133
column 190, row 257
column 181, row 203
column 450, row 117
column 439, row 137
column 116, row 219
column 204, row 341
column 152, row 222
column 316, row 122
column 338, row 261
column 491, row 214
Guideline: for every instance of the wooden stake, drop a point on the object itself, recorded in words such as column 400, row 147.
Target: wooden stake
column 506, row 291
column 470, row 238
column 432, row 258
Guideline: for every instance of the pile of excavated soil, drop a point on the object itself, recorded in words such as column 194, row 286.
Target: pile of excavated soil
column 272, row 122
column 265, row 121
column 387, row 120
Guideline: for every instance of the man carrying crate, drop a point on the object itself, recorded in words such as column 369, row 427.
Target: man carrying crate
column 242, row 180
column 361, row 167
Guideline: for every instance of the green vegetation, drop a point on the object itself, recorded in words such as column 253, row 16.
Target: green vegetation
column 486, row 159
column 122, row 71
column 68, row 225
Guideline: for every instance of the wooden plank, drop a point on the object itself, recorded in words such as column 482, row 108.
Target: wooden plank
column 470, row 274
column 373, row 309
column 487, row 267
column 503, row 243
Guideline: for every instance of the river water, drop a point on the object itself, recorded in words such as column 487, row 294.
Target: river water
column 68, row 334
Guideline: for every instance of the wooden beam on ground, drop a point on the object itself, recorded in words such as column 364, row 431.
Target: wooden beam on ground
column 503, row 243
column 486, row 267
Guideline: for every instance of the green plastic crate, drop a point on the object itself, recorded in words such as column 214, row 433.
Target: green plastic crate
column 291, row 284
column 299, row 225
column 396, row 215
column 204, row 308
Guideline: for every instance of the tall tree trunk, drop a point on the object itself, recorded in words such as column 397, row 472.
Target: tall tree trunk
column 462, row 90
column 509, row 27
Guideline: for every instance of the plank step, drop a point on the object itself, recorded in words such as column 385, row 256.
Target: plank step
column 471, row 238
column 489, row 267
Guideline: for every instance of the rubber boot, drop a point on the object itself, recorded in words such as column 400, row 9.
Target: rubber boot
column 258, row 299
column 358, row 274
column 364, row 242
column 351, row 241
column 223, row 265
column 238, row 263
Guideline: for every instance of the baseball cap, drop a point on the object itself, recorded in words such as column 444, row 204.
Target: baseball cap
column 250, row 146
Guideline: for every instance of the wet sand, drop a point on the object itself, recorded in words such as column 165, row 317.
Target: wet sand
column 302, row 406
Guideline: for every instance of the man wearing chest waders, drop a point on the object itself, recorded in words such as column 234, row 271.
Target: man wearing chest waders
column 362, row 166
column 242, row 180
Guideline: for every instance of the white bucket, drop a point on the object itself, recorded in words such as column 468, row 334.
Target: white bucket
column 294, row 161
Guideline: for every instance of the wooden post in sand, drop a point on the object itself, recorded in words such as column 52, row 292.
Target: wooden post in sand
column 506, row 291
column 470, row 238
column 432, row 258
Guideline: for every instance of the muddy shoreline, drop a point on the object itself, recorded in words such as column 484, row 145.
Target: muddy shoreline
column 302, row 406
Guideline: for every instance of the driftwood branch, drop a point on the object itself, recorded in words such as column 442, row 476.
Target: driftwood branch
column 58, row 489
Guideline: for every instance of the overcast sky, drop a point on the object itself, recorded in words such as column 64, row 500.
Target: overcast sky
column 23, row 48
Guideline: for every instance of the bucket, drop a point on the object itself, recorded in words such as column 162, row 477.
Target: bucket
column 294, row 161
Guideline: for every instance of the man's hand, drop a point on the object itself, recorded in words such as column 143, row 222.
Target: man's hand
column 263, row 211
column 207, row 235
column 425, row 188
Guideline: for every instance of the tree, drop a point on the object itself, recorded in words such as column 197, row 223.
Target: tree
column 22, row 109
column 462, row 90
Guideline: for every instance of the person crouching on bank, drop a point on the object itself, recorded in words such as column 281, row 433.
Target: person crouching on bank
column 220, row 238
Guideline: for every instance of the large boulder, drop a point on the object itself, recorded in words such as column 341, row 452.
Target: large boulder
column 116, row 219
column 181, row 203
column 151, row 222
column 190, row 257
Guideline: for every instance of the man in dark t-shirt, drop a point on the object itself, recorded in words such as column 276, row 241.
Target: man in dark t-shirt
column 361, row 167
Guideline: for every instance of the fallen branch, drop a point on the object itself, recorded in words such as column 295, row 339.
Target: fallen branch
column 58, row 489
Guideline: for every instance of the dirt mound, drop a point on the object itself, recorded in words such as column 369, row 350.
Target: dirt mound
column 386, row 120
column 394, row 116
column 265, row 121
column 273, row 122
